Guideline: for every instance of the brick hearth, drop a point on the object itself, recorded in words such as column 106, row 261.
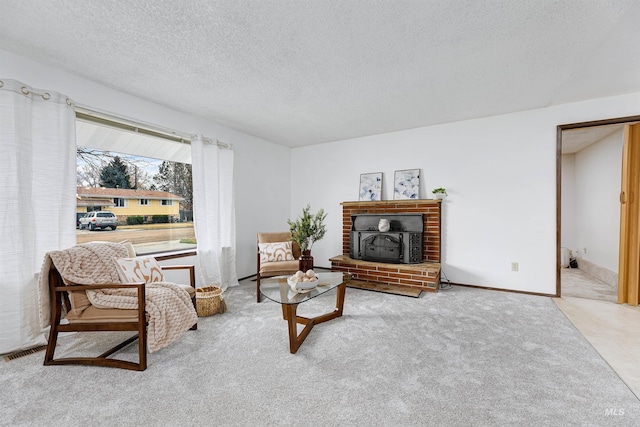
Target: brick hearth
column 424, row 276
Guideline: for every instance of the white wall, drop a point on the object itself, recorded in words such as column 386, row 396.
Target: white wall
column 568, row 230
column 500, row 173
column 598, row 173
column 261, row 167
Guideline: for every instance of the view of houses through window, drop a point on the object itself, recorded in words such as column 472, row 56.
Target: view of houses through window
column 151, row 199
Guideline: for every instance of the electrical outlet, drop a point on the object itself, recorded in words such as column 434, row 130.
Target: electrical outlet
column 514, row 266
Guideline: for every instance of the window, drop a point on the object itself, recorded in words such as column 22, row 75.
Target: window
column 117, row 162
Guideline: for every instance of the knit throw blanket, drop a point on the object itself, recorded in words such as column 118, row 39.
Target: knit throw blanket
column 170, row 310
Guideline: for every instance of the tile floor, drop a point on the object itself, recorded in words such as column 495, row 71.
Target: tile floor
column 576, row 283
column 611, row 328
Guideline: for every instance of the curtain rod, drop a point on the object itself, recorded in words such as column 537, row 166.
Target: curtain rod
column 92, row 115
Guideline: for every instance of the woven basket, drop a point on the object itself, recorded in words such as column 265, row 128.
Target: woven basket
column 209, row 301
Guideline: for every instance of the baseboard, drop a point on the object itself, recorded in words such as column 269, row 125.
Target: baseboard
column 539, row 294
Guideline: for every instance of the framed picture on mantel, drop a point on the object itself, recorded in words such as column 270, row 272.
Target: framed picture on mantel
column 406, row 184
column 370, row 187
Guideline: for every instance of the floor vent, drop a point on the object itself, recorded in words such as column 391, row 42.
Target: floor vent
column 22, row 353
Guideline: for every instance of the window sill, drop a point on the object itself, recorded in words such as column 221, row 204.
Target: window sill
column 163, row 256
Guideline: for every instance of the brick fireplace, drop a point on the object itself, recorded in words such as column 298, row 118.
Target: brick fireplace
column 417, row 277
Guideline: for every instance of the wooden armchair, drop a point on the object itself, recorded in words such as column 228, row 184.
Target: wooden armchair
column 280, row 267
column 82, row 316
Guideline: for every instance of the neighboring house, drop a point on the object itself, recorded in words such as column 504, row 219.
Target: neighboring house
column 125, row 203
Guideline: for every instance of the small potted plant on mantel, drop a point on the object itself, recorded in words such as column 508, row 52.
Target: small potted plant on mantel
column 307, row 230
column 439, row 193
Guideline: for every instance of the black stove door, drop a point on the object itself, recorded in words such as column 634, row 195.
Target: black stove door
column 383, row 248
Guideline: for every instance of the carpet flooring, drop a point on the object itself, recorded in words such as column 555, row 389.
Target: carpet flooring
column 460, row 357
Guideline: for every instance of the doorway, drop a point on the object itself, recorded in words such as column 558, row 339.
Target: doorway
column 589, row 168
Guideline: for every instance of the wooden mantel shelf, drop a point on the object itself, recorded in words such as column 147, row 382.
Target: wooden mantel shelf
column 403, row 202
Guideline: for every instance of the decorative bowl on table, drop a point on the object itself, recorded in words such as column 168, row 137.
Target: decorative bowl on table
column 303, row 282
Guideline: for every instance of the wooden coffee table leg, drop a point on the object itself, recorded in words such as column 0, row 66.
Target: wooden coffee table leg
column 295, row 340
column 340, row 298
column 289, row 312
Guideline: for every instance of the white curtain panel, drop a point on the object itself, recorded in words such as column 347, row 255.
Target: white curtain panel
column 214, row 212
column 38, row 179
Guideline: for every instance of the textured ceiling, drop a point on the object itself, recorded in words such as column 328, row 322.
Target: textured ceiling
column 305, row 72
column 575, row 140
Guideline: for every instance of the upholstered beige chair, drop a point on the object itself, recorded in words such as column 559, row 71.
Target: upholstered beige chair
column 276, row 259
column 69, row 299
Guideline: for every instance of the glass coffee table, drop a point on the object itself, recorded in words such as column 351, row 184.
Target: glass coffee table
column 277, row 289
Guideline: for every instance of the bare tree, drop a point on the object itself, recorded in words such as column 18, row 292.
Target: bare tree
column 87, row 177
column 176, row 178
column 141, row 179
column 90, row 162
